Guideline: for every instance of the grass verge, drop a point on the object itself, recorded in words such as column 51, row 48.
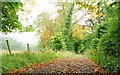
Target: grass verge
column 19, row 60
column 110, row 64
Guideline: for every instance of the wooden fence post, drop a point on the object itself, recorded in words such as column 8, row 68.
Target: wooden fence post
column 8, row 46
column 28, row 47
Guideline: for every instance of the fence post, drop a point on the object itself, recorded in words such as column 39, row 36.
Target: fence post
column 8, row 46
column 28, row 47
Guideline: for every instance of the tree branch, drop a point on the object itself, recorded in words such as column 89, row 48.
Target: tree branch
column 80, row 18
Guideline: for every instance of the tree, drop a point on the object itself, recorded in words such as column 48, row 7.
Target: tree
column 64, row 24
column 58, row 41
column 28, row 28
column 9, row 16
column 45, row 29
column 109, row 43
column 62, row 12
column 98, row 25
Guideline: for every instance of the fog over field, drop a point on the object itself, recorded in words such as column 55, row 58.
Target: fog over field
column 18, row 41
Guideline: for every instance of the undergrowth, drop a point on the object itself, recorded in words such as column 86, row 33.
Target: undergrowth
column 26, row 59
column 108, row 63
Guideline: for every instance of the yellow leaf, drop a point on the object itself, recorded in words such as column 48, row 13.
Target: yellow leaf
column 99, row 14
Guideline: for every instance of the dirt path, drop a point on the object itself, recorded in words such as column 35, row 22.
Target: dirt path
column 76, row 64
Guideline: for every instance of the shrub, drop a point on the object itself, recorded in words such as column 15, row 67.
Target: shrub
column 109, row 64
column 58, row 41
column 109, row 43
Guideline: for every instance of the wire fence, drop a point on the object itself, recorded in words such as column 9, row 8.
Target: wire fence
column 9, row 49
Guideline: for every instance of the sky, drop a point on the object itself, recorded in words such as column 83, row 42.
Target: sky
column 28, row 16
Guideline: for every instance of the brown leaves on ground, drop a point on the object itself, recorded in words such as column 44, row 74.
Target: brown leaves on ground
column 66, row 65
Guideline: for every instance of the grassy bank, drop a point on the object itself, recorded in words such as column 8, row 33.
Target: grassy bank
column 108, row 63
column 26, row 59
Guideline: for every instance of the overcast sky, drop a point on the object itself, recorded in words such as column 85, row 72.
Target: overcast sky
column 31, row 12
column 43, row 6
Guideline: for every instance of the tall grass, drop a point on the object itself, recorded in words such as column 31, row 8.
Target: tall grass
column 108, row 63
column 19, row 60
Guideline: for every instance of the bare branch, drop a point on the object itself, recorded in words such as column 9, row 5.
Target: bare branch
column 80, row 18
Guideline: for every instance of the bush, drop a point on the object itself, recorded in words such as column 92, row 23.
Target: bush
column 105, row 39
column 110, row 42
column 109, row 63
column 58, row 41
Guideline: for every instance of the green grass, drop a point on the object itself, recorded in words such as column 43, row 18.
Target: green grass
column 16, row 61
column 109, row 63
